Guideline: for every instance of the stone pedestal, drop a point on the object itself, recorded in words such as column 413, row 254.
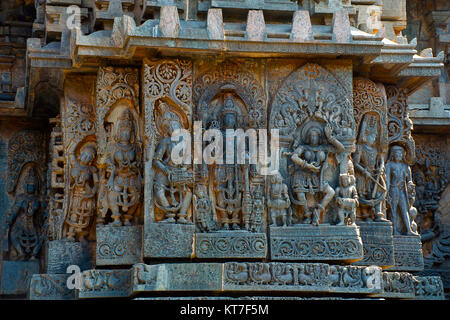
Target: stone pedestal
column 407, row 254
column 168, row 240
column 51, row 287
column 61, row 254
column 316, row 243
column 378, row 247
column 118, row 245
column 231, row 244
column 15, row 276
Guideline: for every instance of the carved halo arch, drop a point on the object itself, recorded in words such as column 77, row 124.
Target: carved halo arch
column 369, row 98
column 230, row 77
column 312, row 93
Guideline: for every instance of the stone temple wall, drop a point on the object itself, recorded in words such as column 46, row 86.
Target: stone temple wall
column 348, row 196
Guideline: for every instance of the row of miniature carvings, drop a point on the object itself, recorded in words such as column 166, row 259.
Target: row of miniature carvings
column 235, row 277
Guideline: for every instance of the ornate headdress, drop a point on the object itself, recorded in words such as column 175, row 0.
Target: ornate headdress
column 369, row 125
column 125, row 121
column 167, row 116
column 31, row 179
column 229, row 106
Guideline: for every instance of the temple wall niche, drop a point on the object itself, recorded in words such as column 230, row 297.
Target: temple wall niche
column 23, row 213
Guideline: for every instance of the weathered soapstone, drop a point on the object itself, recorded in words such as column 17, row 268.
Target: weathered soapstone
column 105, row 284
column 353, row 279
column 407, row 254
column 398, row 285
column 316, row 243
column 51, row 287
column 168, row 240
column 444, row 274
column 302, row 277
column 428, row 288
column 377, row 242
column 177, row 277
column 15, row 276
column 230, row 244
column 118, row 245
column 61, row 253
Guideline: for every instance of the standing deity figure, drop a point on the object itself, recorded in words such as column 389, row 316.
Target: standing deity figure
column 172, row 178
column 83, row 188
column 346, row 199
column 278, row 202
column 399, row 185
column 202, row 207
column 308, row 181
column 22, row 227
column 123, row 193
column 369, row 164
column 232, row 185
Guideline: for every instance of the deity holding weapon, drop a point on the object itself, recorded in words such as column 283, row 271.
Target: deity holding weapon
column 369, row 164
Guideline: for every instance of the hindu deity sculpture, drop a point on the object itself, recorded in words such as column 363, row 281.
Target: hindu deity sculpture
column 173, row 179
column 202, row 206
column 346, row 199
column 399, row 185
column 83, row 189
column 369, row 164
column 23, row 232
column 278, row 202
column 122, row 193
column 310, row 156
column 232, row 179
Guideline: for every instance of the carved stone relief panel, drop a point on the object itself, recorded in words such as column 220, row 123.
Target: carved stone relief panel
column 80, row 153
column 313, row 112
column 119, row 146
column 229, row 193
column 431, row 175
column 27, row 218
column 167, row 87
column 370, row 111
column 399, row 124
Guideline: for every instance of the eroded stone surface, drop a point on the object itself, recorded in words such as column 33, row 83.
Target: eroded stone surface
column 168, row 240
column 62, row 253
column 16, row 276
column 319, row 243
column 407, row 253
column 51, row 287
column 118, row 245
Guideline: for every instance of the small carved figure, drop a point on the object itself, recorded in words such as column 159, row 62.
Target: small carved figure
column 412, row 210
column 399, row 184
column 256, row 218
column 369, row 164
column 347, row 200
column 83, row 188
column 172, row 180
column 311, row 157
column 122, row 194
column 23, row 228
column 202, row 207
column 278, row 202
